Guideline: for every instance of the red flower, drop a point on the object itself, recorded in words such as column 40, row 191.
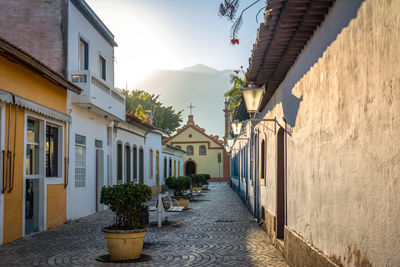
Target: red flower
column 234, row 41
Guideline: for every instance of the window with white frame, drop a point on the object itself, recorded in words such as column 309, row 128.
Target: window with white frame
column 32, row 147
column 165, row 168
column 170, row 167
column 80, row 161
column 135, row 164
column 52, row 151
column 128, row 177
column 102, row 67
column 83, row 55
column 151, row 163
column 119, row 163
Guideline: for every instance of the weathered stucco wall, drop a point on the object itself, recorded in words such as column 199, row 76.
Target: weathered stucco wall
column 342, row 98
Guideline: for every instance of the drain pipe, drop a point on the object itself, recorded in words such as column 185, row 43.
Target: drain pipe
column 12, row 170
column 66, row 159
column 6, row 150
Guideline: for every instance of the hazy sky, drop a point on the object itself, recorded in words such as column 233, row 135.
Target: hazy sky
column 173, row 34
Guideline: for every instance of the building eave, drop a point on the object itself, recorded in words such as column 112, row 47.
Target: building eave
column 289, row 26
column 95, row 21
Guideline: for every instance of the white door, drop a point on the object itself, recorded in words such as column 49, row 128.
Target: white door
column 33, row 193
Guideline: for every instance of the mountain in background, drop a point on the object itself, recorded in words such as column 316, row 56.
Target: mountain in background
column 200, row 85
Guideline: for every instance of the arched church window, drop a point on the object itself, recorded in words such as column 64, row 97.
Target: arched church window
column 203, row 150
column 189, row 150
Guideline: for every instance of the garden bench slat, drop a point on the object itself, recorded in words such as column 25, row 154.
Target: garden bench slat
column 165, row 209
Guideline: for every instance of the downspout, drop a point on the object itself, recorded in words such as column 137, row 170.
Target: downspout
column 12, row 170
column 7, row 151
column 66, row 159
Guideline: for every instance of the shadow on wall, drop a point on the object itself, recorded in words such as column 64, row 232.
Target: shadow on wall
column 343, row 11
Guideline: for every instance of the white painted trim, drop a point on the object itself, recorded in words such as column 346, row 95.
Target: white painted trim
column 43, row 180
column 42, row 185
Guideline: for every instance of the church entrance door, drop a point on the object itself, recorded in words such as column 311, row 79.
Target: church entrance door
column 190, row 168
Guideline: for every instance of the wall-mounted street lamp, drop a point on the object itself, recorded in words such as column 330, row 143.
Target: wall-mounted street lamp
column 236, row 127
column 230, row 141
column 227, row 148
column 252, row 96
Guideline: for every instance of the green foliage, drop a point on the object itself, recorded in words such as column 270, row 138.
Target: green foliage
column 126, row 201
column 199, row 179
column 235, row 93
column 143, row 115
column 206, row 177
column 143, row 105
column 178, row 184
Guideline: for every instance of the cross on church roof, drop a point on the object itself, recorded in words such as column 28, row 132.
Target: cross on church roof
column 191, row 107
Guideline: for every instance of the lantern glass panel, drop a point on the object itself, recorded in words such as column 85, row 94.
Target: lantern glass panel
column 236, row 127
column 252, row 97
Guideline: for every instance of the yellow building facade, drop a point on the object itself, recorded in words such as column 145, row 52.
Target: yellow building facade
column 204, row 153
column 33, row 139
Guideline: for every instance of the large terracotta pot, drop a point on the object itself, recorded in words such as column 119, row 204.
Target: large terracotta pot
column 124, row 244
column 197, row 188
column 183, row 201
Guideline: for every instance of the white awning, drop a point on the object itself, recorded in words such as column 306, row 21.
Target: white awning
column 6, row 96
column 30, row 105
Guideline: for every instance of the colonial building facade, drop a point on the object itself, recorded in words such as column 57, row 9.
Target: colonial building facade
column 71, row 39
column 204, row 153
column 34, row 144
column 92, row 143
column 322, row 173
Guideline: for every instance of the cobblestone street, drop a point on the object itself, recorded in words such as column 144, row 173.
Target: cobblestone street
column 217, row 231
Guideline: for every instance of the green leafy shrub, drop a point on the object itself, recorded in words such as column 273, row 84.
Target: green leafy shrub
column 178, row 184
column 126, row 201
column 205, row 178
column 200, row 179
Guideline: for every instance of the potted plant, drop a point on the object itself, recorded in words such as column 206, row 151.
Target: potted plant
column 197, row 182
column 180, row 185
column 206, row 177
column 125, row 236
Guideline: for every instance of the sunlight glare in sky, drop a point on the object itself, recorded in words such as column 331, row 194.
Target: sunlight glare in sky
column 173, row 34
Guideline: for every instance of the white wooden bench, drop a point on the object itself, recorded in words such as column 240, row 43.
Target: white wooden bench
column 164, row 208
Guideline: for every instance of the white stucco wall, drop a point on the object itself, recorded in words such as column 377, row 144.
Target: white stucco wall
column 172, row 154
column 79, row 27
column 81, row 201
column 153, row 141
column 132, row 136
column 341, row 100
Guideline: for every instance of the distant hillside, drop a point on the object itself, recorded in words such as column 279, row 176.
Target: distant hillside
column 200, row 85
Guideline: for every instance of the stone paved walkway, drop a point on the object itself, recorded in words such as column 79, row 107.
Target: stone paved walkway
column 217, row 231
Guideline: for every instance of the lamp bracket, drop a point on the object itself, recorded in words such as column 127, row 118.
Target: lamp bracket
column 287, row 128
